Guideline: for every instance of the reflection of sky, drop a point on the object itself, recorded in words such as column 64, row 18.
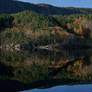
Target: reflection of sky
column 78, row 88
column 65, row 3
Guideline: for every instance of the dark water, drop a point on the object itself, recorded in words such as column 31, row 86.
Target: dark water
column 46, row 71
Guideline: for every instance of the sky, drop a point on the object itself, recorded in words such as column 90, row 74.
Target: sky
column 64, row 3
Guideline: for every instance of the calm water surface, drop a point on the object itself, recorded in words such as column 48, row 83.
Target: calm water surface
column 75, row 88
column 46, row 71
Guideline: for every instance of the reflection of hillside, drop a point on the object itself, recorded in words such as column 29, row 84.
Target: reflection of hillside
column 79, row 69
column 56, row 67
column 82, row 67
column 50, row 58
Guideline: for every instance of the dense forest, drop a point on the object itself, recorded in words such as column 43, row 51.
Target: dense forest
column 31, row 28
column 36, row 28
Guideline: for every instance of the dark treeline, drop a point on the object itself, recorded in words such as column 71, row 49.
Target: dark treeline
column 14, row 6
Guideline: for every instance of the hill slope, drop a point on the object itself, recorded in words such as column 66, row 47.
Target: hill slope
column 12, row 6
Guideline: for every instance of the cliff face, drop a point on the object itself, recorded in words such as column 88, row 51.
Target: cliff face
column 14, row 6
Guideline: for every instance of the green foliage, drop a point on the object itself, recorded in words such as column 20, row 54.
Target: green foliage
column 13, row 37
column 63, row 20
column 32, row 20
column 38, row 29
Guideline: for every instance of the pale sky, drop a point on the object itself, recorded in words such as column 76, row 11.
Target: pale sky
column 64, row 3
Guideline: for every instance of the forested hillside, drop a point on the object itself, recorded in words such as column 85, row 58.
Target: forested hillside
column 35, row 29
column 14, row 6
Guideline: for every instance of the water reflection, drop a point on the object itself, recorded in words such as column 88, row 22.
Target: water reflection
column 76, row 88
column 22, row 70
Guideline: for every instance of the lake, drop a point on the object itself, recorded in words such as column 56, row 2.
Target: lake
column 63, row 70
column 76, row 88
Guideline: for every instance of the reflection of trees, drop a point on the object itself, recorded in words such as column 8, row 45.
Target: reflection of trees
column 78, row 69
column 82, row 66
column 5, row 71
column 32, row 66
